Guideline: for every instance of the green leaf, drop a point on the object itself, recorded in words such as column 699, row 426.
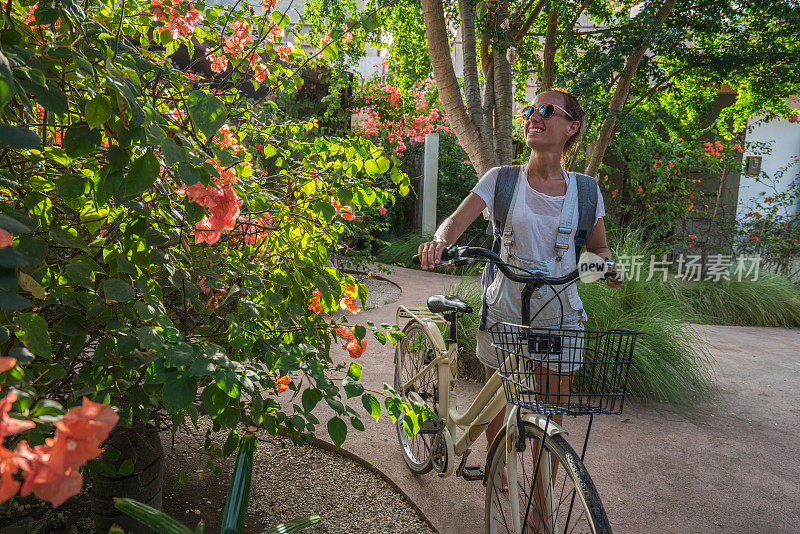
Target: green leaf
column 117, row 290
column 207, row 112
column 295, row 525
column 150, row 338
column 357, row 424
column 214, row 400
column 179, row 391
column 155, row 519
column 228, row 382
column 325, row 210
column 331, row 51
column 11, row 259
column 359, row 331
column 80, row 272
column 141, row 176
column 233, row 516
column 202, row 367
column 6, row 81
column 126, row 468
column 337, row 430
column 18, row 137
column 67, row 237
column 13, row 302
column 16, row 222
column 230, row 443
column 98, row 111
column 310, row 398
column 34, row 250
column 50, row 97
column 33, row 333
column 352, row 388
column 72, row 186
column 179, row 354
column 106, row 352
column 80, row 141
column 371, row 405
column 354, row 371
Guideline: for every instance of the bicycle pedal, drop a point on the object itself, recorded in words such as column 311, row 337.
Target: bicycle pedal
column 430, row 426
column 472, row 472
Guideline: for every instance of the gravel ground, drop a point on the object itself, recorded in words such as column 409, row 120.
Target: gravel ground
column 380, row 292
column 288, row 482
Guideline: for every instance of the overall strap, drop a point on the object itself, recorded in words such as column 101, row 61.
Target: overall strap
column 504, row 192
column 508, row 234
column 587, row 210
column 567, row 212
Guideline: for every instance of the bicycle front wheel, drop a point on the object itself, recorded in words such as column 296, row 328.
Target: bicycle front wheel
column 411, row 356
column 564, row 501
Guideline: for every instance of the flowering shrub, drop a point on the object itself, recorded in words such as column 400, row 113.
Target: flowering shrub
column 162, row 234
column 401, row 120
column 771, row 228
column 51, row 469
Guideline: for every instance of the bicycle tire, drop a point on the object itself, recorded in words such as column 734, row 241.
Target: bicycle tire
column 411, row 355
column 578, row 507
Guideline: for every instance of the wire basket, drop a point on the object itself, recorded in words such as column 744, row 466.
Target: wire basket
column 534, row 361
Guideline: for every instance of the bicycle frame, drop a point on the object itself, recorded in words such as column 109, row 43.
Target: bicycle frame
column 489, row 402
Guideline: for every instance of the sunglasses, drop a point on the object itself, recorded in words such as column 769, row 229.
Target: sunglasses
column 545, row 112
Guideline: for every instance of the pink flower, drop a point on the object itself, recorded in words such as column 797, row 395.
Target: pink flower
column 382, row 210
column 218, row 63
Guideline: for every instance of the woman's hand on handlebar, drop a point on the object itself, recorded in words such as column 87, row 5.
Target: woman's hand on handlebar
column 430, row 254
column 614, row 277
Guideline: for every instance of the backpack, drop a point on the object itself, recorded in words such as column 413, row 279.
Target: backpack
column 507, row 180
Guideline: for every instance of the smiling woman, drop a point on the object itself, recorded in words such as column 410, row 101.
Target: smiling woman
column 531, row 207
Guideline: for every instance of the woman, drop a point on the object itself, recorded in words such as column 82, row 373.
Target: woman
column 552, row 127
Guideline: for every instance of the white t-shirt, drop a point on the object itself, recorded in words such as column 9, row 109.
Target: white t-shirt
column 535, row 219
column 535, row 224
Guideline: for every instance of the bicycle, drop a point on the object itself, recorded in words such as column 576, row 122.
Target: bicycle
column 425, row 373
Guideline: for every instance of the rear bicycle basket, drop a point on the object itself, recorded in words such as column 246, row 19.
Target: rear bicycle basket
column 593, row 364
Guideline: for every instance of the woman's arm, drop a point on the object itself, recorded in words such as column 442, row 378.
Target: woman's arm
column 430, row 253
column 597, row 244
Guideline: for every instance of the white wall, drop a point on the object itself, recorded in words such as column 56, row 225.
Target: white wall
column 784, row 143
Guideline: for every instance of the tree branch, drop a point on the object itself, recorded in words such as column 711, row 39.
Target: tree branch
column 609, row 124
column 517, row 35
column 472, row 89
column 549, row 53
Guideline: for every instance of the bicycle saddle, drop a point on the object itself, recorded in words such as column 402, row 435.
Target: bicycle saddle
column 445, row 303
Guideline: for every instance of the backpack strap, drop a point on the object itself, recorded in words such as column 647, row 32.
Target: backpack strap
column 587, row 210
column 504, row 188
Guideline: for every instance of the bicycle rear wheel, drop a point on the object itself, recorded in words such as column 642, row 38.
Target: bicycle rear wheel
column 567, row 503
column 412, row 354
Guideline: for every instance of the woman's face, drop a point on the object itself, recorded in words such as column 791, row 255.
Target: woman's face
column 549, row 134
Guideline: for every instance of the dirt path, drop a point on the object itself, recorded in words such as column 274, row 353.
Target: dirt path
column 734, row 467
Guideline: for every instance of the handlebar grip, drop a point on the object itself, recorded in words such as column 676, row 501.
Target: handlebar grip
column 415, row 259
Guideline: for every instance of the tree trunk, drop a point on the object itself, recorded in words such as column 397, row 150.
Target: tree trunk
column 621, row 92
column 549, row 53
column 503, row 89
column 465, row 129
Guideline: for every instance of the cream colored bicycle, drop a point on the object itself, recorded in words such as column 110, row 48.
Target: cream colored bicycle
column 549, row 489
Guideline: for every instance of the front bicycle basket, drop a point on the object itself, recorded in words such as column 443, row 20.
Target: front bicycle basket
column 533, row 361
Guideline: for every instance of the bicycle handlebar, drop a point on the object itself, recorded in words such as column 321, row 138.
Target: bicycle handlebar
column 456, row 255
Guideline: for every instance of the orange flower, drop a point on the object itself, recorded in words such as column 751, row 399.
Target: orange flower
column 9, row 465
column 349, row 303
column 46, row 473
column 8, row 425
column 316, row 305
column 345, row 333
column 5, row 239
column 88, row 426
column 614, row 193
column 345, row 212
column 283, row 383
column 753, row 238
column 6, row 363
column 639, row 190
column 381, row 210
column 355, row 348
column 691, row 206
column 692, row 236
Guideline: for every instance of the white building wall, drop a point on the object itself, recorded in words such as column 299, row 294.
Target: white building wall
column 783, row 138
